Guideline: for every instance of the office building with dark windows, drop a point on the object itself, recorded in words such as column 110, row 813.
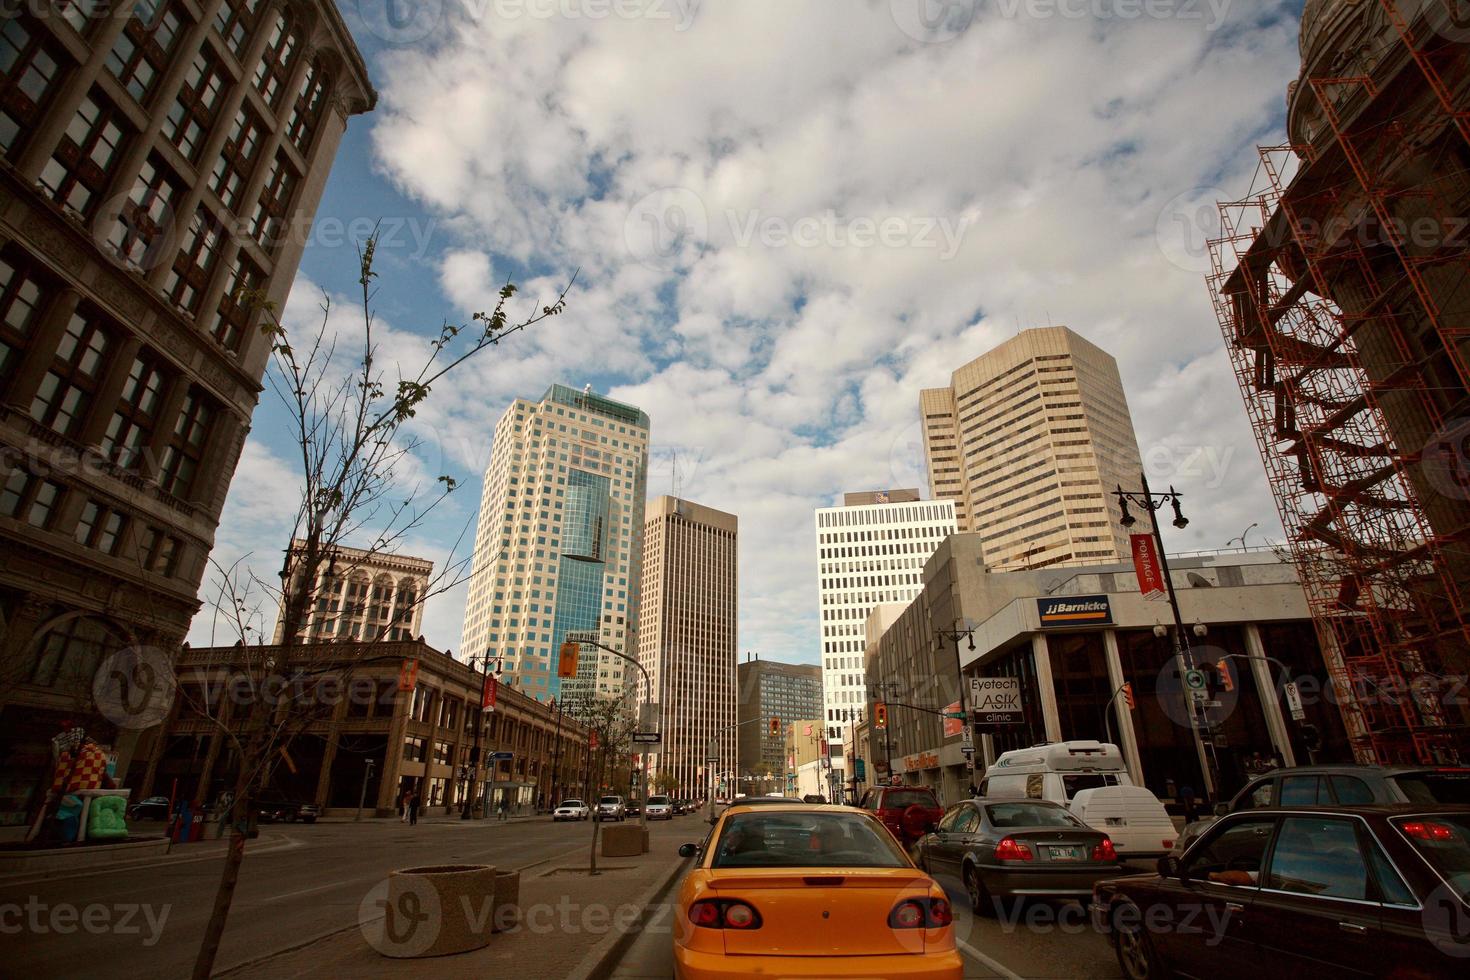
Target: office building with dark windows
column 771, row 689
column 160, row 166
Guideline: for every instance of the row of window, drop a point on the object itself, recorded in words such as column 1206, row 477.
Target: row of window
column 100, row 526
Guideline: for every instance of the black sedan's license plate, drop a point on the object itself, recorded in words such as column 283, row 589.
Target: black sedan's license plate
column 1065, row 853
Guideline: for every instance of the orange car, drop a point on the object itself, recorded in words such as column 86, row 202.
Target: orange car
column 794, row 890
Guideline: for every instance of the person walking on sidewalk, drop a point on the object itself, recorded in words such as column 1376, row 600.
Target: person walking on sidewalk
column 504, row 810
column 413, row 809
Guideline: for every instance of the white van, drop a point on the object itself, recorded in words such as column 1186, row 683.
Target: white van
column 1091, row 780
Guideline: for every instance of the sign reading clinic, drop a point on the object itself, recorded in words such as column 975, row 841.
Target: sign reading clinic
column 1074, row 610
column 996, row 701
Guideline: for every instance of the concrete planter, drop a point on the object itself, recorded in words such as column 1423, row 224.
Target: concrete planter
column 507, row 900
column 438, row 910
column 623, row 841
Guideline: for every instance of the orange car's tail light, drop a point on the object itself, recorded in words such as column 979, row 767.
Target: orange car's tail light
column 724, row 914
column 1105, row 851
column 1424, row 830
column 1010, row 849
column 921, row 913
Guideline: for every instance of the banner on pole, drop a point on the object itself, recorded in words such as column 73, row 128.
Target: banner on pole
column 1150, row 570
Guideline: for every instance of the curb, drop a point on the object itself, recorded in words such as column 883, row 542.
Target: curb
column 599, row 963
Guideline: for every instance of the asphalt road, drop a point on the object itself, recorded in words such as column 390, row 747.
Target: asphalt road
column 298, row 882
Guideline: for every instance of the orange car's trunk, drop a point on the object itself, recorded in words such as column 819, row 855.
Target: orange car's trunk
column 822, row 912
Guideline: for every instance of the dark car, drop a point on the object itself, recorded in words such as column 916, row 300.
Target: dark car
column 633, row 807
column 286, row 811
column 907, row 811
column 1005, row 849
column 153, row 808
column 1342, row 785
column 1380, row 890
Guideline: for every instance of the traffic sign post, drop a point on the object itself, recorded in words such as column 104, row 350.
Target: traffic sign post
column 650, row 738
column 1294, row 701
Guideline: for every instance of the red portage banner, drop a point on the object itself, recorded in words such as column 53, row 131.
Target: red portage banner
column 487, row 696
column 1146, row 564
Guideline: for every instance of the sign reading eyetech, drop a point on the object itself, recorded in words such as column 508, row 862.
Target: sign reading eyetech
column 1074, row 610
column 996, row 701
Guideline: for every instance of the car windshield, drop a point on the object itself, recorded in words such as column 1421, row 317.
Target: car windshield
column 1444, row 841
column 1029, row 815
column 1446, row 786
column 763, row 839
column 567, row 803
column 658, row 801
column 902, row 799
column 610, row 800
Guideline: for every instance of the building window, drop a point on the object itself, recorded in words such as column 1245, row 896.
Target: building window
column 192, row 114
column 65, row 394
column 413, row 748
column 141, row 51
column 147, row 214
column 187, row 280
column 181, row 459
column 21, row 295
column 71, row 654
column 100, row 527
column 30, row 498
column 232, row 167
column 28, row 67
column 78, row 172
column 268, row 219
column 134, row 420
column 159, row 552
column 237, row 306
column 235, row 22
column 276, row 60
column 308, row 108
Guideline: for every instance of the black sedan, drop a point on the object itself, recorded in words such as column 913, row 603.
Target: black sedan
column 1360, row 891
column 153, row 808
column 1004, row 849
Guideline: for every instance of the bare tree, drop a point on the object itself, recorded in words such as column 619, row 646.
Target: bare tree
column 350, row 424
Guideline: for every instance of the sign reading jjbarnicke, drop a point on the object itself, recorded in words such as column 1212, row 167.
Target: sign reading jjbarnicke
column 1074, row 610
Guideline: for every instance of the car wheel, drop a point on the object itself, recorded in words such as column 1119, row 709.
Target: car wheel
column 980, row 900
column 1135, row 948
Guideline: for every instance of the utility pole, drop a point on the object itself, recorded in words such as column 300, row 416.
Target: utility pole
column 954, row 636
column 467, row 810
column 367, row 775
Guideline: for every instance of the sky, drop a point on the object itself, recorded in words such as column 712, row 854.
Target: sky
column 785, row 219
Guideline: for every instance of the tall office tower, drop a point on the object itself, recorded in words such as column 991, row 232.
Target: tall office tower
column 686, row 636
column 560, row 543
column 871, row 550
column 163, row 162
column 771, row 689
column 1028, row 441
column 360, row 595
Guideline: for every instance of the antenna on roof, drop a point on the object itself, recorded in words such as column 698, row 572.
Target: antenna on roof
column 674, row 465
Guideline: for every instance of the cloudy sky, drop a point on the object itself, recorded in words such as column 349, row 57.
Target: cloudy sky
column 789, row 217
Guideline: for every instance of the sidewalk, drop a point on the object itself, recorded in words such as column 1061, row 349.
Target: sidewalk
column 570, row 922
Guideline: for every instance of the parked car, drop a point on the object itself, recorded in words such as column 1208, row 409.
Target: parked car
column 814, row 798
column 611, row 808
column 660, row 808
column 681, row 807
column 277, row 810
column 153, row 808
column 1375, row 890
column 907, row 811
column 764, row 888
column 1341, row 785
column 570, row 810
column 632, row 808
column 1006, row 849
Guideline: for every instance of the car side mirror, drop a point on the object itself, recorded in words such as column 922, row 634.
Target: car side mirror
column 1168, row 867
column 1222, row 809
column 688, row 850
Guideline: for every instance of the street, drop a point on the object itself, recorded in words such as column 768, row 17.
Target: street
column 298, row 883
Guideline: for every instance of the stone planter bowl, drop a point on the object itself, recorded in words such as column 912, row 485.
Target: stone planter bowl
column 507, row 900
column 438, row 910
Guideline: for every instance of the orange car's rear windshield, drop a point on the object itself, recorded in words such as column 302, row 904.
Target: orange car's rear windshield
column 787, row 839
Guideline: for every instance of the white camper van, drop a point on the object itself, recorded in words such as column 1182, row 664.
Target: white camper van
column 1091, row 780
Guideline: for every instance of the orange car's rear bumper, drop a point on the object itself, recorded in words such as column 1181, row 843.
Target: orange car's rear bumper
column 692, row 965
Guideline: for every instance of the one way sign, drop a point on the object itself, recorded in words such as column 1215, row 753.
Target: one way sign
column 996, row 701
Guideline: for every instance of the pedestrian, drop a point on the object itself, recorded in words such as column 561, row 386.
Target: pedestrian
column 403, row 807
column 504, row 810
column 1186, row 797
column 413, row 809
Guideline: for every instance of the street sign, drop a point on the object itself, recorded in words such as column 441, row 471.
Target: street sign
column 1294, row 701
column 502, row 756
column 712, row 760
column 859, row 769
column 652, row 738
column 966, row 739
column 970, row 762
column 1194, row 680
column 996, row 701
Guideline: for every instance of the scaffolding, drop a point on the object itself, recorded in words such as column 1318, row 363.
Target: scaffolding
column 1329, row 298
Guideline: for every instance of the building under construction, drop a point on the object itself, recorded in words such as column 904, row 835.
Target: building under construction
column 1341, row 286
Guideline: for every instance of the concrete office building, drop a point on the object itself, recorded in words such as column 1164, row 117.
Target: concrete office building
column 771, row 689
column 687, row 638
column 162, row 164
column 1028, row 441
column 1070, row 669
column 870, row 550
column 362, row 596
column 559, row 544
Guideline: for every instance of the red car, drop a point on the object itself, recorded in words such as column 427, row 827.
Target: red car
column 907, row 811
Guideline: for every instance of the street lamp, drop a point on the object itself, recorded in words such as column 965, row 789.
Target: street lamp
column 467, row 809
column 954, row 636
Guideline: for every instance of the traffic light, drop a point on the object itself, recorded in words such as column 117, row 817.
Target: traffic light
column 775, row 726
column 566, row 664
column 880, row 715
column 1128, row 696
column 1227, row 682
column 1311, row 737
